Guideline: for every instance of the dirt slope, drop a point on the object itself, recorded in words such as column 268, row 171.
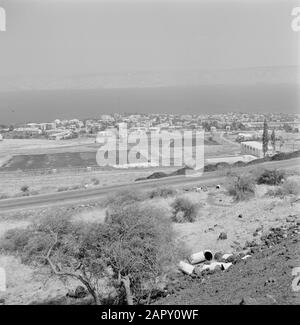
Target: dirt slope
column 265, row 278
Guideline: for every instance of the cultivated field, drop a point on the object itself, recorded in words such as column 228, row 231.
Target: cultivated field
column 30, row 162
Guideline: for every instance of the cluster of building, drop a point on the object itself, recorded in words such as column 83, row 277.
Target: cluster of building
column 66, row 129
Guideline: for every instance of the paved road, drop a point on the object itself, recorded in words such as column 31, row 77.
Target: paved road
column 69, row 197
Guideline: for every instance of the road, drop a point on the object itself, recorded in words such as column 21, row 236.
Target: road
column 61, row 198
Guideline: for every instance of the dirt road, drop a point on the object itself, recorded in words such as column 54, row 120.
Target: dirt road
column 81, row 195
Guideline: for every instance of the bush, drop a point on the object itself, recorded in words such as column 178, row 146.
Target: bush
column 241, row 187
column 289, row 187
column 4, row 196
column 95, row 181
column 124, row 197
column 271, row 177
column 131, row 250
column 184, row 210
column 63, row 189
column 25, row 188
column 163, row 192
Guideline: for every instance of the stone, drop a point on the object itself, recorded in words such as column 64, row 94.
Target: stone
column 218, row 256
column 291, row 218
column 222, row 236
column 80, row 292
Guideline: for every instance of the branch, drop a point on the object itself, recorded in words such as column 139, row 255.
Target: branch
column 84, row 281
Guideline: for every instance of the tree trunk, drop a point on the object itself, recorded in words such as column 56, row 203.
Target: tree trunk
column 126, row 283
column 91, row 290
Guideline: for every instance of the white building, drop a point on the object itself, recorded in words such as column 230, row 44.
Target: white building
column 254, row 148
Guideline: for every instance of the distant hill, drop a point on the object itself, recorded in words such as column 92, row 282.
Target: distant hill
column 245, row 76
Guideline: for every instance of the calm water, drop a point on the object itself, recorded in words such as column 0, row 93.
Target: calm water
column 49, row 105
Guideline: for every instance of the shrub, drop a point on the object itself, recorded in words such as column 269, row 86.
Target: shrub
column 63, row 189
column 241, row 187
column 124, row 197
column 132, row 250
column 25, row 188
column 95, row 181
column 271, row 177
column 184, row 210
column 289, row 187
column 162, row 192
column 4, row 196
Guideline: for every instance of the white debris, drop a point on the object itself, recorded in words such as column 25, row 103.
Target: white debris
column 296, row 271
column 200, row 257
column 225, row 256
column 245, row 257
column 186, row 268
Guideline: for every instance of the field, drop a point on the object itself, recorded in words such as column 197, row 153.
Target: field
column 41, row 184
column 218, row 213
column 31, row 163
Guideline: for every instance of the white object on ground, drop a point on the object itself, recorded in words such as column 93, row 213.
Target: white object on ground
column 296, row 284
column 225, row 256
column 186, row 267
column 211, row 266
column 296, row 271
column 245, row 257
column 201, row 257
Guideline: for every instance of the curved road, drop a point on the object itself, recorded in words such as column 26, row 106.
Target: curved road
column 60, row 198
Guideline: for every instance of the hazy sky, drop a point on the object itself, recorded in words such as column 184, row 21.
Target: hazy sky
column 79, row 37
column 72, row 57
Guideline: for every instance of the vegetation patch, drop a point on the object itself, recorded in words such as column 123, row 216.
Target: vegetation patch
column 241, row 187
column 271, row 177
column 184, row 210
column 133, row 251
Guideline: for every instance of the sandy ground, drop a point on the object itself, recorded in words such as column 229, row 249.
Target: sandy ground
column 11, row 183
column 38, row 146
column 218, row 213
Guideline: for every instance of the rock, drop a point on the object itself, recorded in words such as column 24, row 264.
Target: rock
column 80, row 292
column 198, row 270
column 254, row 250
column 250, row 244
column 291, row 218
column 218, row 268
column 2, row 301
column 222, row 236
column 240, row 216
column 218, row 256
column 232, row 259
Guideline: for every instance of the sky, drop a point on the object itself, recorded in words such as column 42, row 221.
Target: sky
column 80, row 37
column 67, row 53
